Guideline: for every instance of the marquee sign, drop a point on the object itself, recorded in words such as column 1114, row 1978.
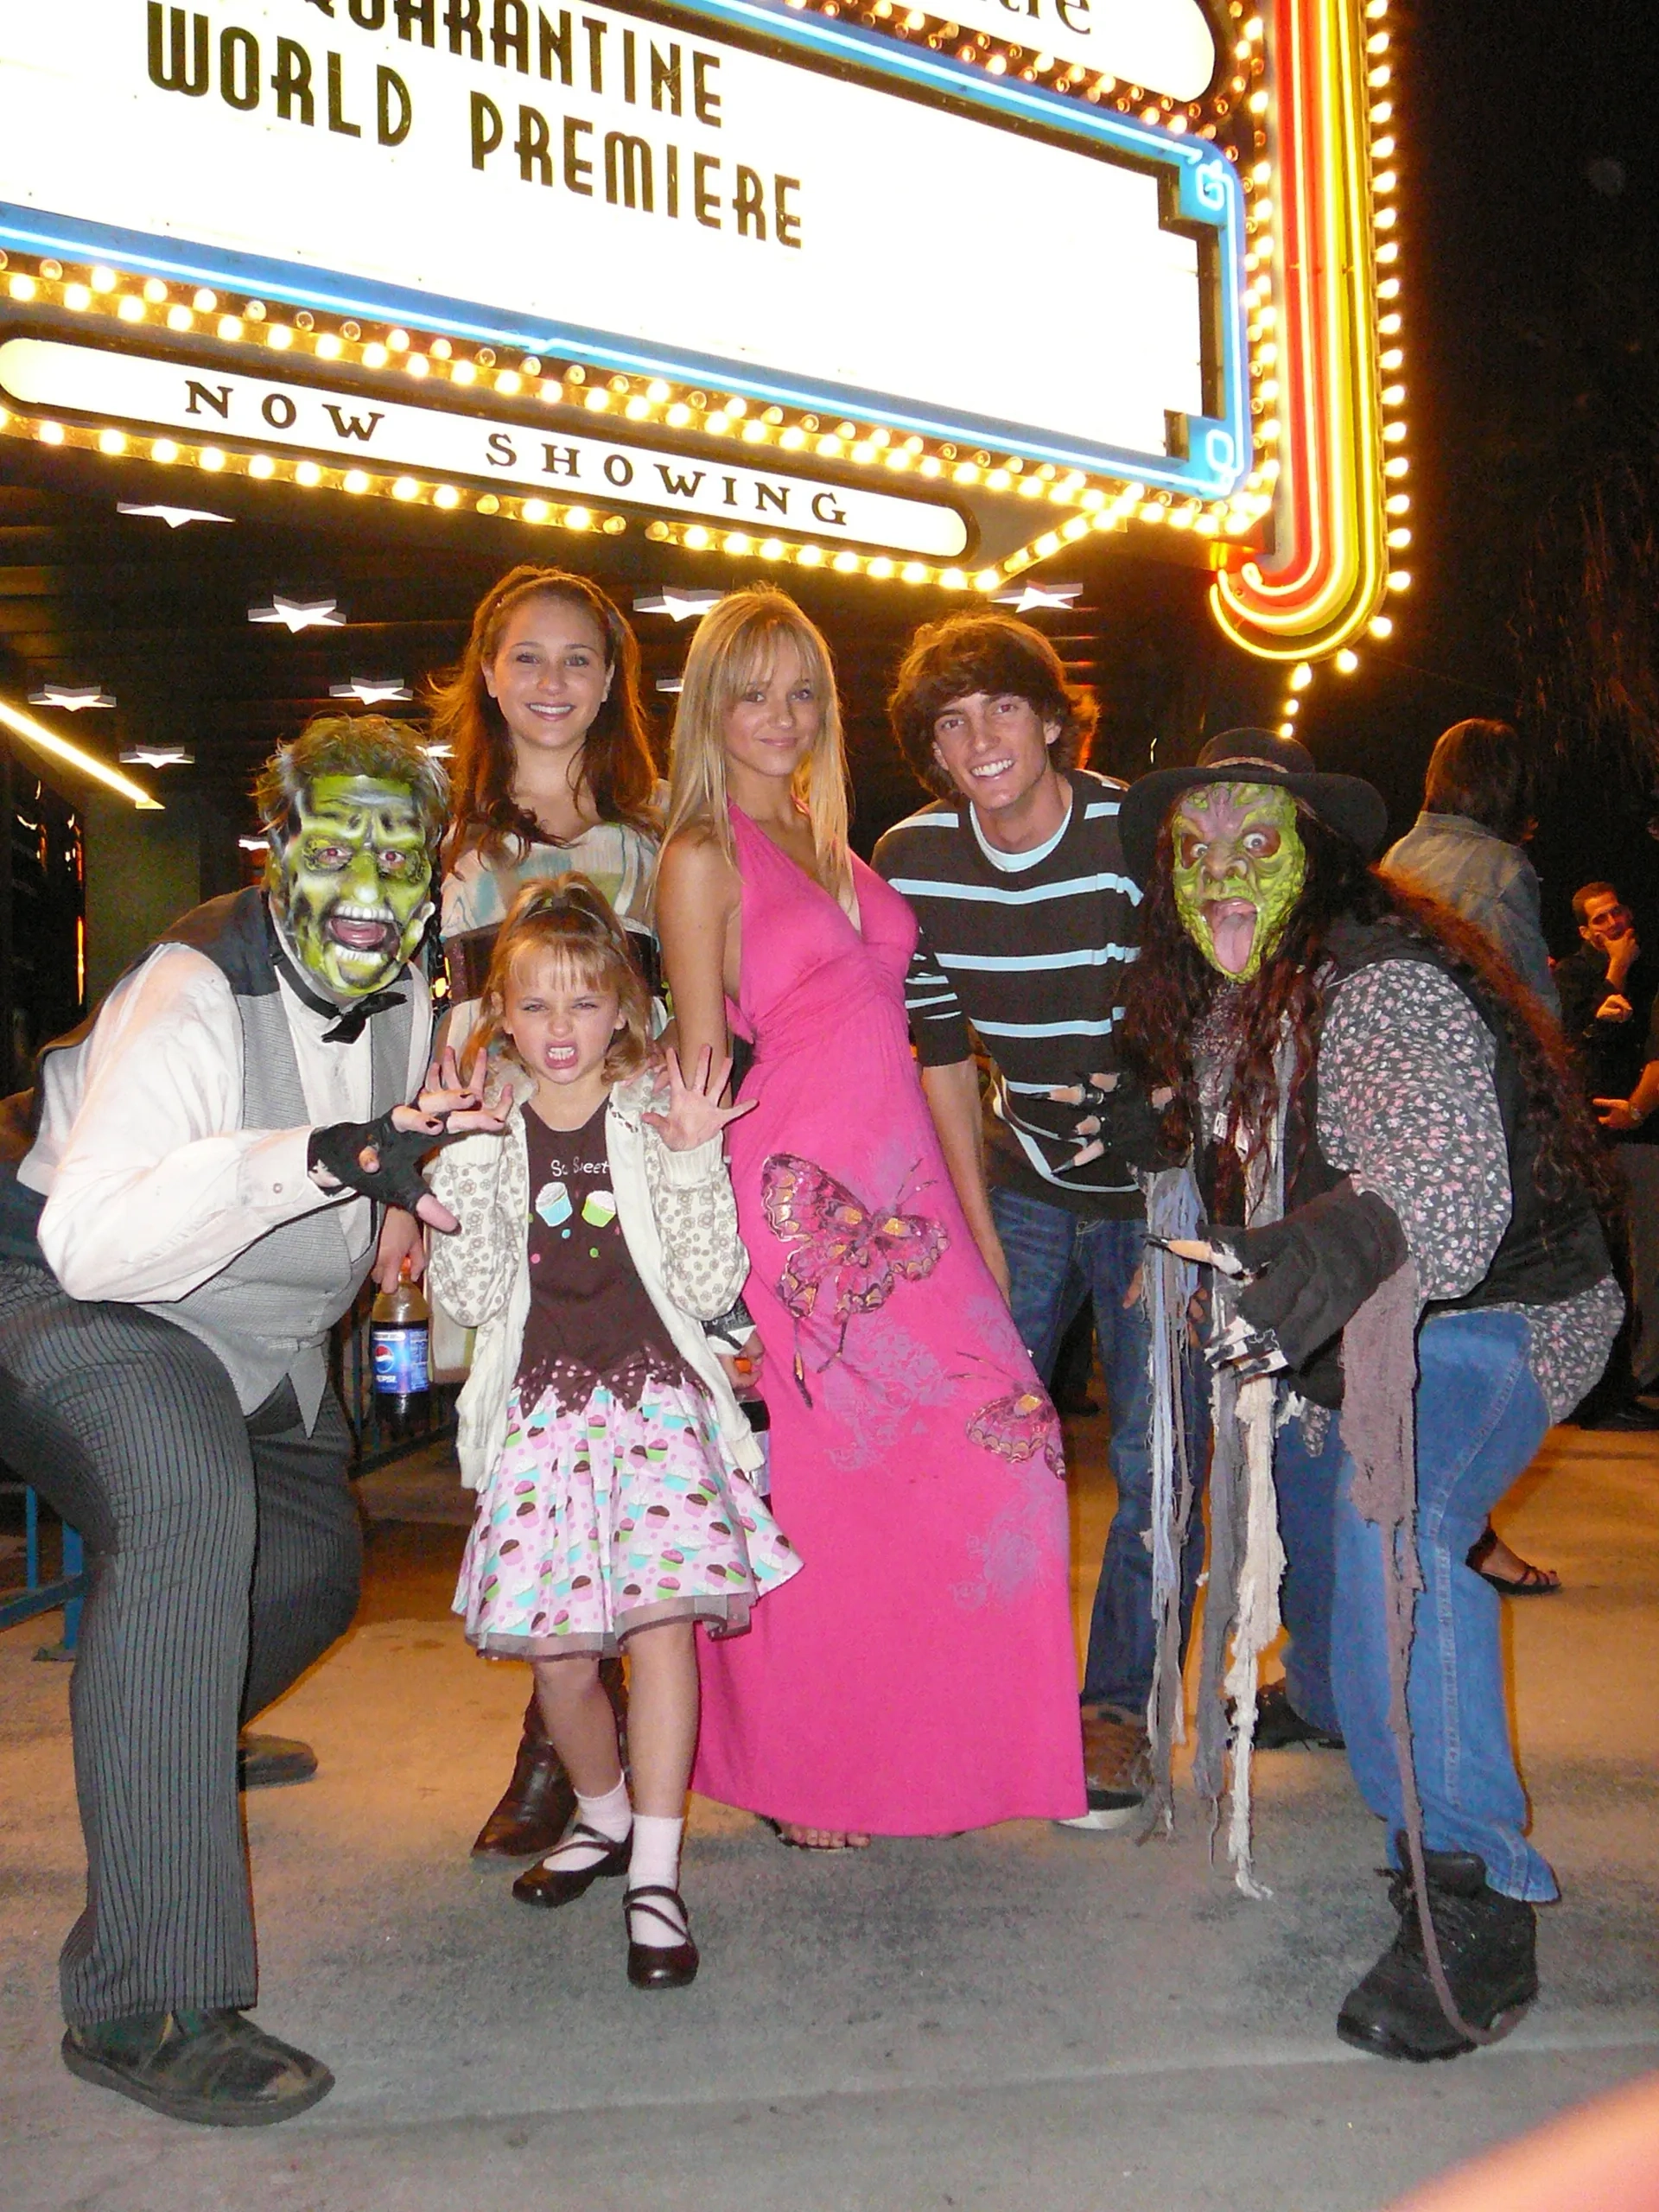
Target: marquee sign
column 857, row 284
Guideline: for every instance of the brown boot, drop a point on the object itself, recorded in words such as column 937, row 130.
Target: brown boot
column 540, row 1803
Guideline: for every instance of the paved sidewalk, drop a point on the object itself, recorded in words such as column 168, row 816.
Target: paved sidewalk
column 1024, row 2016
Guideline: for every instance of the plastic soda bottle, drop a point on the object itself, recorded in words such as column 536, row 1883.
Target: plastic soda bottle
column 399, row 1328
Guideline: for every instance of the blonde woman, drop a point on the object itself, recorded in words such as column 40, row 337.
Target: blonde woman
column 918, row 1677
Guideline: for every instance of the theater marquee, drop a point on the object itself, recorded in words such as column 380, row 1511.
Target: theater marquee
column 853, row 285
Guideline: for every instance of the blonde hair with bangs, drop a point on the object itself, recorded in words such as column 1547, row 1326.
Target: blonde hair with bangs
column 737, row 644
column 569, row 920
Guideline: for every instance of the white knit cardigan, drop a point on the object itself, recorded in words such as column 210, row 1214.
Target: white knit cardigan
column 678, row 1219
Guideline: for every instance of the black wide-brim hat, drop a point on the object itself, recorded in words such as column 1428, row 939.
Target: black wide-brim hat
column 1346, row 803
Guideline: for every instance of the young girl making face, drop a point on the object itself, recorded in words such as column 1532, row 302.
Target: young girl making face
column 613, row 1504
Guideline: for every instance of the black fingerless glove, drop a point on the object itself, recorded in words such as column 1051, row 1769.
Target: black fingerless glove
column 397, row 1181
column 1312, row 1271
column 1131, row 1127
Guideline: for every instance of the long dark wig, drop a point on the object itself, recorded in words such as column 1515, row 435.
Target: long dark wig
column 1172, row 987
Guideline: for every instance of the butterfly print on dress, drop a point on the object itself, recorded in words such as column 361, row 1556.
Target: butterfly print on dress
column 845, row 1259
column 1019, row 1425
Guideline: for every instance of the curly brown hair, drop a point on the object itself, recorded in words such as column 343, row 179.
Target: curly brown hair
column 617, row 763
column 1172, row 987
column 995, row 654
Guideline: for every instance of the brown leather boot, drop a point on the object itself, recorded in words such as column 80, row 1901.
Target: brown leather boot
column 539, row 1802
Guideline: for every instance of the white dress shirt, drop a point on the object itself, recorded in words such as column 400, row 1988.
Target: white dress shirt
column 152, row 1184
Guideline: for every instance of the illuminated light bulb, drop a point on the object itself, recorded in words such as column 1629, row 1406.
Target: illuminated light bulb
column 155, row 291
column 1293, row 707
column 1389, row 289
column 210, row 458
column 1263, row 211
column 988, row 580
column 1376, row 78
column 1399, row 580
column 1386, row 217
column 231, row 328
column 578, row 519
column 953, row 580
column 1049, row 543
column 738, row 407
column 1385, row 182
column 535, row 510
column 844, row 563
column 810, row 556
column 1392, row 359
column 717, row 424
column 307, row 473
column 772, row 549
column 1381, row 626
column 1300, row 677
column 830, row 448
column 964, row 473
column 1391, row 251
column 329, row 348
column 754, row 433
column 1287, row 729
column 738, row 541
column 1377, row 43
column 1399, row 539
column 279, row 337
column 262, row 466
column 204, row 303
column 1078, row 527
column 1398, row 503
column 1206, row 525
column 1347, row 660
column 77, row 297
column 460, row 371
column 446, row 496
column 180, row 319
column 597, row 400
column 131, row 309
column 1257, row 102
column 1381, row 111
column 1262, row 173
column 1382, row 148
column 1253, row 29
column 998, row 481
column 355, row 481
column 164, row 451
column 103, row 279
column 678, row 415
column 1152, row 511
column 110, row 441
column 397, row 342
column 1397, row 465
column 637, row 410
column 374, row 357
column 1394, row 434
column 405, row 488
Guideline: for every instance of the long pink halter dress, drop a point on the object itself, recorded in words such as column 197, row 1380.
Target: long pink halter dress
column 918, row 1675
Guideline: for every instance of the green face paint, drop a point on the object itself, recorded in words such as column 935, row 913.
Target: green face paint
column 1239, row 865
column 351, row 884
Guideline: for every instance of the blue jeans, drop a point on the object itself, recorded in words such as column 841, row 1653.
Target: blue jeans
column 1480, row 1417
column 1056, row 1258
column 1307, row 1481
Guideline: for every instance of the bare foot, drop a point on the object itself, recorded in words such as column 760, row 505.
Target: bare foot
column 820, row 1838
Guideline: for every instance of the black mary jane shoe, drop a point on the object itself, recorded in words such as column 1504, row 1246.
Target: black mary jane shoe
column 650, row 1966
column 550, row 1885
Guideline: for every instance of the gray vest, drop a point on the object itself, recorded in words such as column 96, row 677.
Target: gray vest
column 267, row 1314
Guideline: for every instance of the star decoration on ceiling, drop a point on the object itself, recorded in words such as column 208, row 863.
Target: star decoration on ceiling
column 157, row 756
column 175, row 518
column 1024, row 597
column 254, row 845
column 670, row 683
column 680, row 606
column 370, row 690
column 72, row 697
column 299, row 614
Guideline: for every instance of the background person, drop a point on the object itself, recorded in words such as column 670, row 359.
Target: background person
column 916, row 1677
column 1027, row 921
column 179, row 1237
column 1610, row 1009
column 1464, row 849
column 552, row 774
column 612, row 1464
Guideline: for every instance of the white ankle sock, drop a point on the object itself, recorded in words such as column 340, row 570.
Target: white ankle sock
column 655, row 1863
column 613, row 1817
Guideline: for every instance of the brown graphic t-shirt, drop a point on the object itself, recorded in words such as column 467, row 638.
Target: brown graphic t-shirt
column 590, row 1319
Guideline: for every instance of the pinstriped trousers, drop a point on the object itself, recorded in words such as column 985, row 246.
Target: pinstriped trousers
column 225, row 1557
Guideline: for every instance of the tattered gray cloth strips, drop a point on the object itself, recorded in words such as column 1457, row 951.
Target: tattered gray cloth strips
column 1247, row 1562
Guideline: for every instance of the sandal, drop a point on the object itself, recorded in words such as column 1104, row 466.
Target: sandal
column 1531, row 1582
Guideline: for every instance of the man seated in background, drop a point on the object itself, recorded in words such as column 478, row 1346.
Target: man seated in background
column 1610, row 998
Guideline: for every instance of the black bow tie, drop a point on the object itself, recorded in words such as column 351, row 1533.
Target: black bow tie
column 349, row 1021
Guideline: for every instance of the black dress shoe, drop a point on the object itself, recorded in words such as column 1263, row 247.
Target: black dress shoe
column 652, row 1966
column 215, row 2069
column 270, row 1762
column 550, row 1885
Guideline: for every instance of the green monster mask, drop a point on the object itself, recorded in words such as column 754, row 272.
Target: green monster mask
column 350, row 883
column 1239, row 865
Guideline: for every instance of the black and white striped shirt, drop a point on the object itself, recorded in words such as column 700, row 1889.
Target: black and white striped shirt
column 1024, row 952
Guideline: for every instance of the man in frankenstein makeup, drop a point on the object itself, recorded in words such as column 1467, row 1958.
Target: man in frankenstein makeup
column 203, row 1175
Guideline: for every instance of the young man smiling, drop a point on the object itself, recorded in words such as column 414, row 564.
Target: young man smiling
column 1027, row 920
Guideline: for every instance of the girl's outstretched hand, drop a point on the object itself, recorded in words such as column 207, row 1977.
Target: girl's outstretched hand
column 695, row 1113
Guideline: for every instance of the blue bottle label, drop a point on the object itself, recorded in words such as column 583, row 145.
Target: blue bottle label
column 400, row 1362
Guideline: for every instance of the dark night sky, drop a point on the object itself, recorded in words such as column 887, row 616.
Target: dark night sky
column 1531, row 325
